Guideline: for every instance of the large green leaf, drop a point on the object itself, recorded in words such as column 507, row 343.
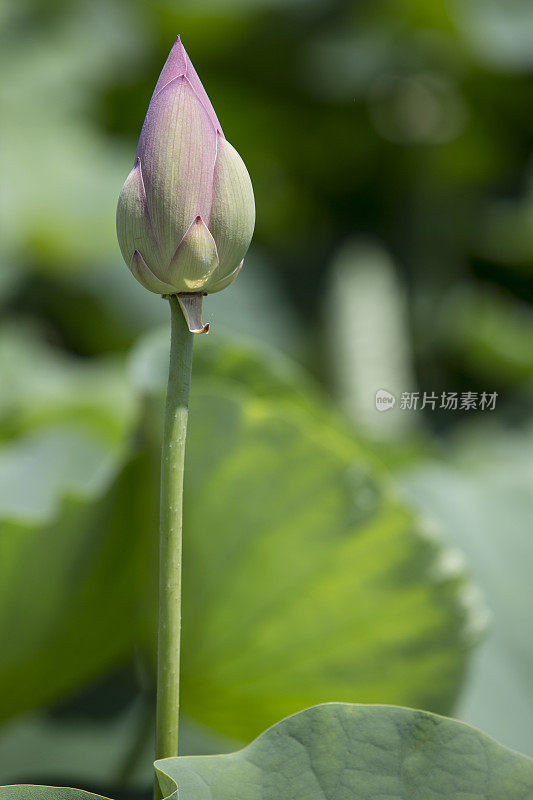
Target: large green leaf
column 352, row 752
column 28, row 792
column 292, row 537
column 69, row 564
column 305, row 579
column 338, row 751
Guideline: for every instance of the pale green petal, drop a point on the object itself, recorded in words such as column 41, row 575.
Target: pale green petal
column 134, row 230
column 146, row 277
column 217, row 283
column 194, row 260
column 177, row 147
column 233, row 210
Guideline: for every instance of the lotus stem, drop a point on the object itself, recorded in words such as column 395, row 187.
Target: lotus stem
column 170, row 547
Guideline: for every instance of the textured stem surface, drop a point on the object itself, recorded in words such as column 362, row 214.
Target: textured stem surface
column 172, row 463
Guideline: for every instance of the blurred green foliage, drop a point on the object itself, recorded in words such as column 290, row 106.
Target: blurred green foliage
column 294, row 538
column 389, row 146
column 408, row 122
column 481, row 494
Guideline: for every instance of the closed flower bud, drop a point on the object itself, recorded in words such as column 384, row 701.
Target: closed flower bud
column 186, row 212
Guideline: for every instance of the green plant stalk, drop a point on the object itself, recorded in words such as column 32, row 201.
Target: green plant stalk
column 170, row 546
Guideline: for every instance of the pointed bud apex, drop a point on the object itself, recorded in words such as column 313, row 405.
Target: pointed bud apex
column 186, row 212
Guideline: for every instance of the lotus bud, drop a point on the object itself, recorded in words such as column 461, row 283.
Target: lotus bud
column 186, row 212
